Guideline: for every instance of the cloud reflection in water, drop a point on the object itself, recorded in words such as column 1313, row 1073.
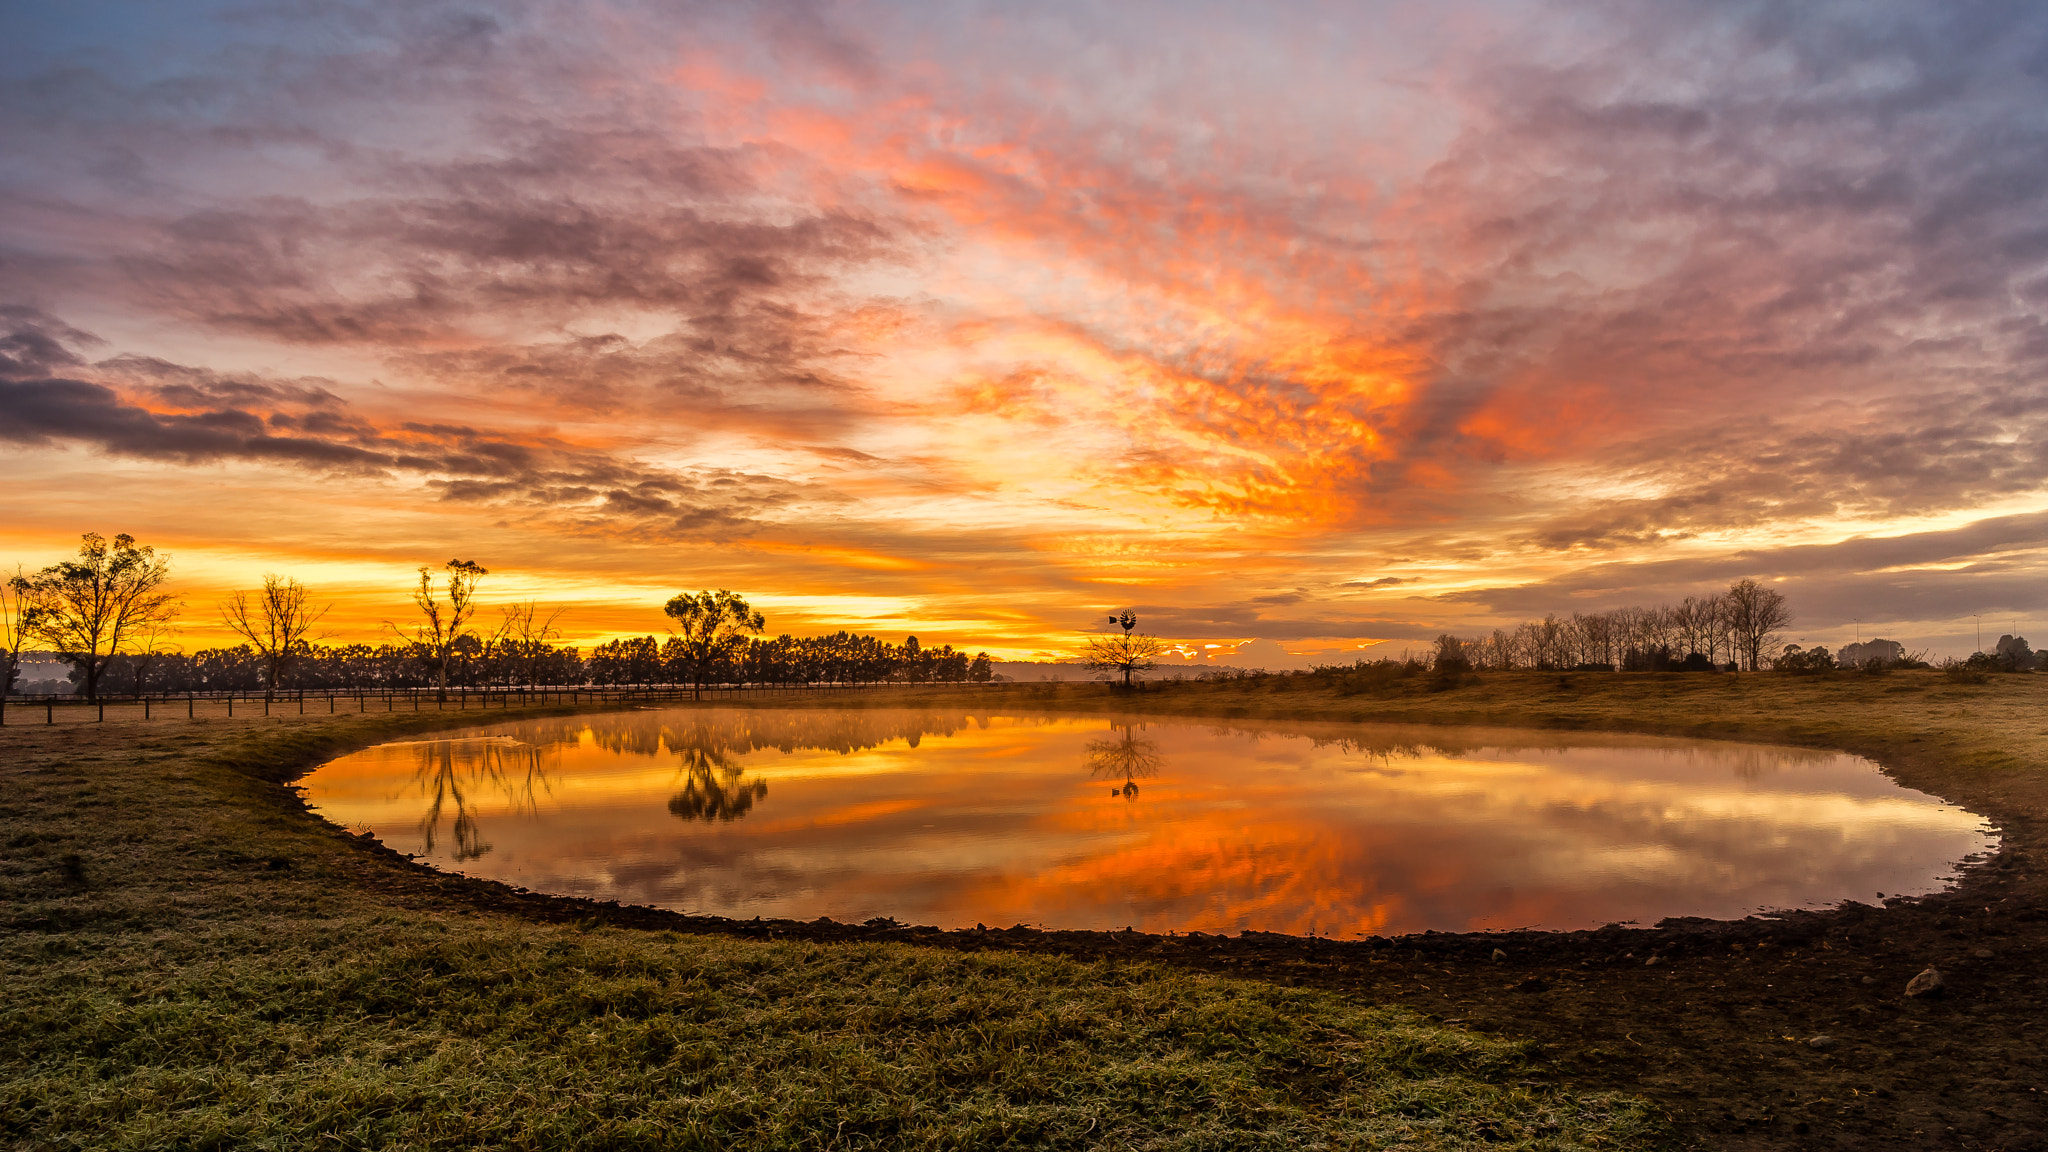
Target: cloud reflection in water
column 952, row 819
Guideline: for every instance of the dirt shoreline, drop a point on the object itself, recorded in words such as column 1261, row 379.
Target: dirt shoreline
column 1711, row 1020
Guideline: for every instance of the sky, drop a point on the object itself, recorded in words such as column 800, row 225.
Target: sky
column 1295, row 327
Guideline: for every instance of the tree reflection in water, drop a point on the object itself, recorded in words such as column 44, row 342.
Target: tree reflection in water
column 1124, row 755
column 450, row 769
column 713, row 786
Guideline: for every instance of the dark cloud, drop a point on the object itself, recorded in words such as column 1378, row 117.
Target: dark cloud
column 33, row 344
column 458, row 463
column 781, row 390
column 398, row 273
column 1989, row 565
column 1241, row 619
column 1704, row 216
column 1898, row 457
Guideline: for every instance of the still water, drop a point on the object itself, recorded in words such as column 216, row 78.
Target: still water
column 1100, row 822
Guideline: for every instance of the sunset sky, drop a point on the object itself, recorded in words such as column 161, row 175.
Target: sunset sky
column 1314, row 324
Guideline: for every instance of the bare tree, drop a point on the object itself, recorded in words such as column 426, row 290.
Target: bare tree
column 17, row 625
column 92, row 607
column 1693, row 619
column 149, row 647
column 1755, row 615
column 711, row 627
column 523, row 637
column 1127, row 653
column 278, row 624
column 443, row 622
column 1596, row 638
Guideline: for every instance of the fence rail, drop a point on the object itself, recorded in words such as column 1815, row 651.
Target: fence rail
column 49, row 709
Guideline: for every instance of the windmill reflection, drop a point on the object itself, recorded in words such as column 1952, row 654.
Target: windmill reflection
column 714, row 787
column 1123, row 755
column 451, row 772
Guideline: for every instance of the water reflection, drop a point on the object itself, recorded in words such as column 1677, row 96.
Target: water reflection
column 951, row 818
column 715, row 786
column 1125, row 755
column 450, row 770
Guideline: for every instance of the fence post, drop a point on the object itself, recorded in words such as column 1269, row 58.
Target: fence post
column 145, row 707
column 50, row 710
column 231, row 705
column 103, row 711
column 189, row 713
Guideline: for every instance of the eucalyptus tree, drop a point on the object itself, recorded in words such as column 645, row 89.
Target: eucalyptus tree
column 99, row 603
column 712, row 627
column 445, row 615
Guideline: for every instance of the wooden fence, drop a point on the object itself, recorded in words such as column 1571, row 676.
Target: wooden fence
column 18, row 710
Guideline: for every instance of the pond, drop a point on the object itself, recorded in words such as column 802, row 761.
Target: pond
column 1087, row 821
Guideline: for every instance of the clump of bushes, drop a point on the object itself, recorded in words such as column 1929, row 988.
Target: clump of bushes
column 1976, row 670
column 1366, row 677
column 2011, row 655
column 1799, row 661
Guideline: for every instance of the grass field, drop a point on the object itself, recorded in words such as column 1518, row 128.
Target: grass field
column 192, row 960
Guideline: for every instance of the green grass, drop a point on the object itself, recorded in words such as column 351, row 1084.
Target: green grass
column 188, row 963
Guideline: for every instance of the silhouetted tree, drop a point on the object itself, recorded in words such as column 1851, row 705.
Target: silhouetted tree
column 278, row 624
column 522, row 640
column 93, row 606
column 1803, row 661
column 444, row 622
column 1755, row 614
column 17, row 619
column 2015, row 655
column 1127, row 653
column 712, row 627
column 1450, row 656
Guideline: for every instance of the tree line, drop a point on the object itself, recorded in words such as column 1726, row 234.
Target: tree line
column 841, row 658
column 1738, row 628
column 108, row 614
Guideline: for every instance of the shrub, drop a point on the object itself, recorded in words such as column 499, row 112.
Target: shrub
column 1368, row 675
column 1804, row 661
column 1971, row 671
